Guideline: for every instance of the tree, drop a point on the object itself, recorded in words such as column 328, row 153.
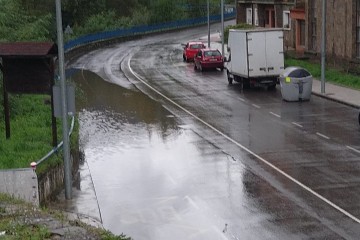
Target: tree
column 123, row 8
column 165, row 10
column 80, row 10
column 18, row 24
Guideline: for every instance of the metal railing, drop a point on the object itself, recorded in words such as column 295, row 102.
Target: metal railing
column 268, row 1
column 144, row 29
column 56, row 149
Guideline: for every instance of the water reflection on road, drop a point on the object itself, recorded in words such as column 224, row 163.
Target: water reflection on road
column 148, row 170
column 160, row 177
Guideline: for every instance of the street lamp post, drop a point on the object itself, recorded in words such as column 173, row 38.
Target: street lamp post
column 222, row 27
column 66, row 144
column 208, row 20
column 323, row 46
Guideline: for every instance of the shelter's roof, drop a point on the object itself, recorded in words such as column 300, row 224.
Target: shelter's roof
column 28, row 49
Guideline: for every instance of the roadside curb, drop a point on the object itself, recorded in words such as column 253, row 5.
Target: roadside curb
column 326, row 96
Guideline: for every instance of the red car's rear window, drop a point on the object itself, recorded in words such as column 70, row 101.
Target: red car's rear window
column 212, row 53
column 196, row 46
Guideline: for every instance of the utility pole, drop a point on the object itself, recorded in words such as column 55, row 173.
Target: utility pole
column 222, row 28
column 208, row 20
column 65, row 129
column 323, row 46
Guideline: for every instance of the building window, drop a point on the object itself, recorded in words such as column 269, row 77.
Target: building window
column 249, row 16
column 286, row 20
column 358, row 28
column 269, row 18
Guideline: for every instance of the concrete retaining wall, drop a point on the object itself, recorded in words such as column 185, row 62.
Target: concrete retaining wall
column 52, row 182
column 24, row 183
column 21, row 184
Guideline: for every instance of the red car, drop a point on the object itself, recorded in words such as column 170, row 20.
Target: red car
column 190, row 49
column 208, row 58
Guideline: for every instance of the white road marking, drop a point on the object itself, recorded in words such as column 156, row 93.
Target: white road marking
column 276, row 115
column 322, row 135
column 82, row 71
column 297, row 124
column 163, row 200
column 353, row 149
column 241, row 99
column 254, row 105
column 171, row 179
column 191, row 202
column 248, row 150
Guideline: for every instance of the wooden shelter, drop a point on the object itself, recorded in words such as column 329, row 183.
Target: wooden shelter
column 28, row 68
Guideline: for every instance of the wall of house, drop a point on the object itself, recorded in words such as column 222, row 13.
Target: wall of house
column 241, row 13
column 279, row 15
column 290, row 37
column 279, row 7
column 340, row 28
column 261, row 14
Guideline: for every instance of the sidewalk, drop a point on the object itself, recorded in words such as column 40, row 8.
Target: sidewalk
column 337, row 93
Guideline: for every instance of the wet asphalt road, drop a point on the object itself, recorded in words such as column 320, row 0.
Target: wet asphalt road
column 180, row 154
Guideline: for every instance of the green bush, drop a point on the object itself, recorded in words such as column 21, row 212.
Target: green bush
column 104, row 21
column 36, row 29
column 19, row 25
column 140, row 16
column 238, row 26
column 164, row 11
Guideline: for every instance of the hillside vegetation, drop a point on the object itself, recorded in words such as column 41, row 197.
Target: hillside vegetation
column 24, row 20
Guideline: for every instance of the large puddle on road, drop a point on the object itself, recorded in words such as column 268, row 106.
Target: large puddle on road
column 148, row 170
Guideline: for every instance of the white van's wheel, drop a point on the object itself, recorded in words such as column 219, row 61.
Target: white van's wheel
column 230, row 80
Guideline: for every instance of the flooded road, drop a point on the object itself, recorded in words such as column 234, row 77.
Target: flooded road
column 189, row 157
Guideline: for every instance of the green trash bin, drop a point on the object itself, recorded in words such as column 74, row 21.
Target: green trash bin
column 296, row 84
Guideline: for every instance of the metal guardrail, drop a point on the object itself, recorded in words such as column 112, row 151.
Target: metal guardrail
column 268, row 1
column 144, row 29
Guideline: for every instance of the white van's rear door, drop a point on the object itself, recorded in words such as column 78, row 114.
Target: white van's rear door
column 256, row 53
column 274, row 52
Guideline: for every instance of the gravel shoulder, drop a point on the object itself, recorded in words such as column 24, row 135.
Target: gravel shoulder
column 19, row 220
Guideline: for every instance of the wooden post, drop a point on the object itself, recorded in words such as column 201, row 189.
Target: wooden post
column 6, row 109
column 53, row 118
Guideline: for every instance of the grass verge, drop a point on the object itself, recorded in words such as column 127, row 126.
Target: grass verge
column 19, row 220
column 332, row 75
column 31, row 133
